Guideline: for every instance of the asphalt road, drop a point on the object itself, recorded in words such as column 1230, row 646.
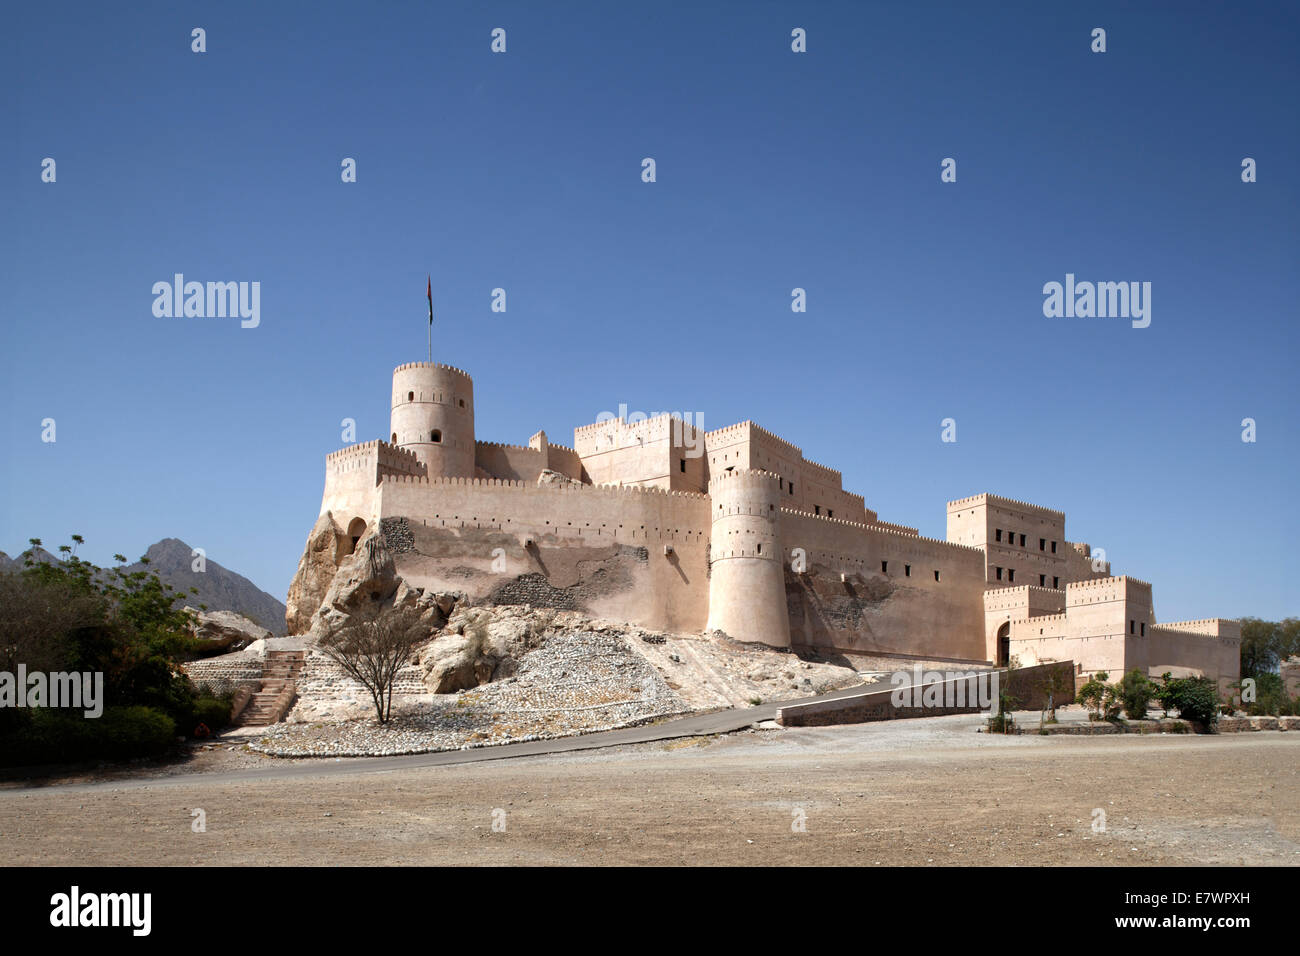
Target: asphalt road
column 694, row 725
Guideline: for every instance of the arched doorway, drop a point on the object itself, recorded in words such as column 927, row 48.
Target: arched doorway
column 348, row 544
column 1004, row 644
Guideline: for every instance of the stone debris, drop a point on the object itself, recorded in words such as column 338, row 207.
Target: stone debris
column 574, row 682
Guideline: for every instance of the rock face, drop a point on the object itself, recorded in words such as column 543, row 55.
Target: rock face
column 227, row 631
column 368, row 577
column 316, row 569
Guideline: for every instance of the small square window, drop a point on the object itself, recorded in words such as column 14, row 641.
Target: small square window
column 1042, row 580
column 1132, row 625
column 997, row 534
column 1053, row 547
column 1144, row 629
column 907, row 570
column 830, row 513
column 1022, row 541
column 1056, row 583
column 817, row 509
column 682, row 463
column 1011, row 574
column 884, row 567
column 999, row 570
column 1042, row 544
column 936, row 575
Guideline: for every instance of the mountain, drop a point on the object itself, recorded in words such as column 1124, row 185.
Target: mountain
column 219, row 588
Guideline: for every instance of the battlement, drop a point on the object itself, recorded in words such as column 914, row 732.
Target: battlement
column 497, row 444
column 1190, row 632
column 754, row 431
column 890, row 526
column 377, row 448
column 827, row 473
column 564, row 488
column 1040, row 618
column 988, row 498
column 862, row 526
column 726, row 480
column 624, row 423
column 438, row 365
column 1017, row 587
column 1102, row 583
column 1213, row 621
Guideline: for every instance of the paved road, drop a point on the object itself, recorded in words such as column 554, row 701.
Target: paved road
column 694, row 725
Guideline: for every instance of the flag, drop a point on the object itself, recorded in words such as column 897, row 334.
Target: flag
column 430, row 294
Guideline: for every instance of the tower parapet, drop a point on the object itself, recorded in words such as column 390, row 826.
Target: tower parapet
column 433, row 417
column 747, row 577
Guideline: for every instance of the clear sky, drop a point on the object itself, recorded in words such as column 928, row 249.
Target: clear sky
column 775, row 170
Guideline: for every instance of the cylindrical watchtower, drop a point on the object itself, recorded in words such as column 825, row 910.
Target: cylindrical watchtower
column 433, row 416
column 747, row 577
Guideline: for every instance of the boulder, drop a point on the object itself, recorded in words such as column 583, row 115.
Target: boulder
column 226, row 630
column 548, row 477
column 482, row 644
column 316, row 570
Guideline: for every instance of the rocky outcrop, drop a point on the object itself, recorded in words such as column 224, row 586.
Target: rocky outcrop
column 369, row 578
column 548, row 477
column 480, row 645
column 224, row 631
column 316, row 569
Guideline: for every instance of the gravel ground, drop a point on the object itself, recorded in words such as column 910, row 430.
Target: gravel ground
column 575, row 683
column 908, row 792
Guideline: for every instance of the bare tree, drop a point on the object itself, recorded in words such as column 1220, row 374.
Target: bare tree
column 372, row 647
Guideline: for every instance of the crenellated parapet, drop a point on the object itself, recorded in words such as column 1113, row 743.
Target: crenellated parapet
column 987, row 498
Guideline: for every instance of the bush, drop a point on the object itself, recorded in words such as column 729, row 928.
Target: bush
column 1195, row 698
column 1135, row 691
column 1099, row 697
column 121, row 733
column 214, row 712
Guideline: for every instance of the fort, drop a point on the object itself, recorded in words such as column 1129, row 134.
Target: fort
column 632, row 523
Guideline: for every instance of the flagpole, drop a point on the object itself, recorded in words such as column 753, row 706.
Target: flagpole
column 430, row 290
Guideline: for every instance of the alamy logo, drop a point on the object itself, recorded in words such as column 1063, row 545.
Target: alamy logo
column 84, row 692
column 936, row 689
column 215, row 300
column 103, row 909
column 691, row 442
column 1102, row 300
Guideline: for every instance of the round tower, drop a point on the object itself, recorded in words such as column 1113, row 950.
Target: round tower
column 433, row 416
column 747, row 575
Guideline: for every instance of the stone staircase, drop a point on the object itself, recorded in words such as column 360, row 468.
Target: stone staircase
column 272, row 700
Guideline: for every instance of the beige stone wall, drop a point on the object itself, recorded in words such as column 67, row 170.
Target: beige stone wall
column 868, row 589
column 1002, row 606
column 572, row 530
column 1023, row 543
column 660, row 452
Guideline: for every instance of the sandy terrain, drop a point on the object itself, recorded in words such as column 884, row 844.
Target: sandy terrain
column 912, row 792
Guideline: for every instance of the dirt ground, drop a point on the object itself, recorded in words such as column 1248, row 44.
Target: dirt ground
column 914, row 792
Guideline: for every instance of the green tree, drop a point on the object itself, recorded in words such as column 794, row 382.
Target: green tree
column 1135, row 691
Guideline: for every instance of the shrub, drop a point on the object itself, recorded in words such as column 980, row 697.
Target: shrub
column 119, row 734
column 1135, row 691
column 1099, row 697
column 1195, row 698
column 214, row 712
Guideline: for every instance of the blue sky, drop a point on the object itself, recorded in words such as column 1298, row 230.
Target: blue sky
column 775, row 170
